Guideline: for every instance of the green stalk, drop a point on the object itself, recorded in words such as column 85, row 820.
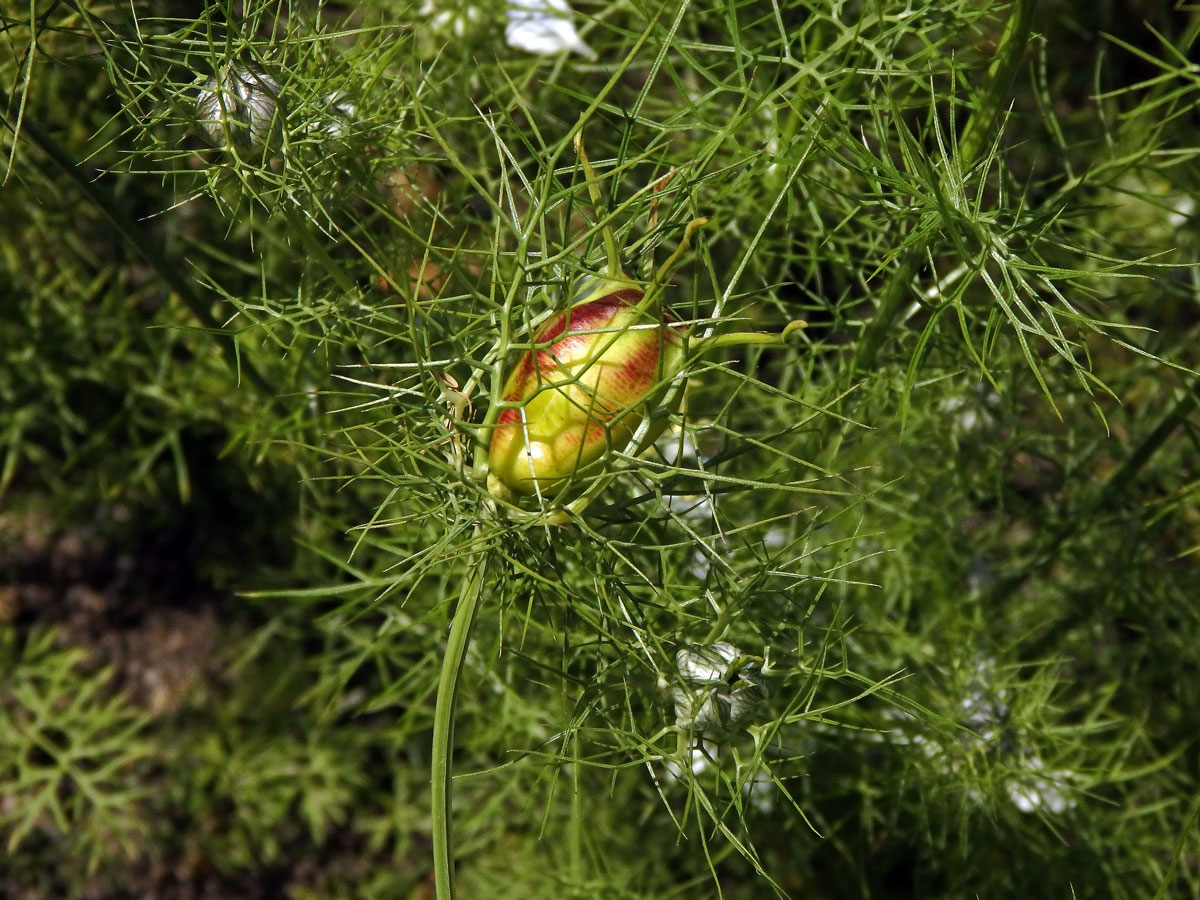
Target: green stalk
column 1177, row 415
column 611, row 252
column 698, row 346
column 1000, row 78
column 717, row 631
column 443, row 726
column 880, row 326
column 978, row 129
column 576, row 831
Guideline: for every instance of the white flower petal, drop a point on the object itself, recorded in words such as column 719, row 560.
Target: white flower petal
column 544, row 27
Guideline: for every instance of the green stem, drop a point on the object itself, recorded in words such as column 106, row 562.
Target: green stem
column 659, row 282
column 697, row 346
column 978, row 128
column 169, row 270
column 443, row 727
column 717, row 631
column 881, row 323
column 1177, row 415
column 576, row 836
column 611, row 251
column 1000, row 78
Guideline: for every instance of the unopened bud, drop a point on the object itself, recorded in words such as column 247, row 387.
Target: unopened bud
column 239, row 107
column 582, row 392
column 718, row 687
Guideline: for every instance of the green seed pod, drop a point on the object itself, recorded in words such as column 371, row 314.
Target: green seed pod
column 596, row 370
column 240, row 107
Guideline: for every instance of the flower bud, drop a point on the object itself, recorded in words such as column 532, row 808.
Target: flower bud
column 718, row 687
column 583, row 390
column 239, row 107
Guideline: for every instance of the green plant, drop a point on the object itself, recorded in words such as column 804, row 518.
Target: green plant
column 74, row 754
column 937, row 548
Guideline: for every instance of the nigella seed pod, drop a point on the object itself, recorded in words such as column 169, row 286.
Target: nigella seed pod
column 240, row 107
column 596, row 369
column 718, row 687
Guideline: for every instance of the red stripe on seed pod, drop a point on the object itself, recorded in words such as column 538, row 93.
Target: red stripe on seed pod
column 590, row 316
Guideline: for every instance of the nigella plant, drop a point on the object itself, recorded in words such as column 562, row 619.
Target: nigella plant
column 240, row 107
column 330, row 381
column 595, row 376
column 718, row 687
column 990, row 739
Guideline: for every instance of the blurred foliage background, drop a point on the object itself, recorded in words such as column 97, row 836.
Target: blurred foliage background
column 955, row 525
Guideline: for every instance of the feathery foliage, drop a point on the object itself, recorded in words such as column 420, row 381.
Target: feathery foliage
column 888, row 605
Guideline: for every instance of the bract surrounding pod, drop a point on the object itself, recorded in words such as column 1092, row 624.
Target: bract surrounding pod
column 718, row 687
column 240, row 106
column 583, row 390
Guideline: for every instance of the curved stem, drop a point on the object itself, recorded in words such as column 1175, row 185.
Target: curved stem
column 717, row 631
column 698, row 346
column 658, row 283
column 611, row 250
column 443, row 727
